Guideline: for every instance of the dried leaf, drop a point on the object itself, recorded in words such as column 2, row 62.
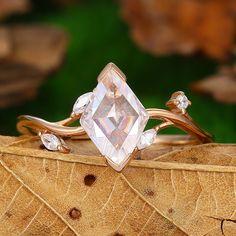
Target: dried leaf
column 164, row 27
column 183, row 192
column 29, row 54
column 8, row 7
column 221, row 87
column 42, row 47
column 5, row 46
column 18, row 82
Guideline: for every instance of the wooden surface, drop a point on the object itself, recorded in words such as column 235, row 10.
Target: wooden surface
column 170, row 191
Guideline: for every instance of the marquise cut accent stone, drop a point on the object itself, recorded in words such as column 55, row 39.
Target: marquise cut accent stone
column 81, row 103
column 114, row 119
column 147, row 139
column 51, row 141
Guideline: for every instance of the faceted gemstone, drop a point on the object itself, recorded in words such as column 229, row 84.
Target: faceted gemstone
column 51, row 141
column 81, row 103
column 147, row 139
column 114, row 119
column 183, row 101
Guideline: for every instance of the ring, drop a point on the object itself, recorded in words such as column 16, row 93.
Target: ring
column 115, row 120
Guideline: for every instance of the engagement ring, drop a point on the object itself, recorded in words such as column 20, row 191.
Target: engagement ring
column 115, row 120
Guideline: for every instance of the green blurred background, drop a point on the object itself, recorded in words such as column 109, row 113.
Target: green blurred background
column 98, row 35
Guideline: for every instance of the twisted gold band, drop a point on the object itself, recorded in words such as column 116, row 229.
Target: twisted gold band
column 33, row 125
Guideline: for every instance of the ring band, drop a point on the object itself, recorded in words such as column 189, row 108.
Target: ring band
column 114, row 119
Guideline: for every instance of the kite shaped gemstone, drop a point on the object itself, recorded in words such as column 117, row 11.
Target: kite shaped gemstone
column 114, row 119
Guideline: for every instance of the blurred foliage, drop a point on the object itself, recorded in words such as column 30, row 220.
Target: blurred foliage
column 163, row 27
column 97, row 36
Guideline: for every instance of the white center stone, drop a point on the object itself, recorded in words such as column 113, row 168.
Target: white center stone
column 114, row 119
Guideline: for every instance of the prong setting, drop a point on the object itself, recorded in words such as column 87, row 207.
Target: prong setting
column 178, row 103
column 111, row 68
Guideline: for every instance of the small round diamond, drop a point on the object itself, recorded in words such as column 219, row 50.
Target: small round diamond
column 182, row 102
column 147, row 139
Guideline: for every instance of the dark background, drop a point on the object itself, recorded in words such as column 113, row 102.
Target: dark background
column 98, row 35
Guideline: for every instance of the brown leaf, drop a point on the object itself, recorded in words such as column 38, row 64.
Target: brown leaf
column 5, row 46
column 8, row 7
column 164, row 27
column 183, row 192
column 40, row 46
column 18, row 83
column 222, row 87
column 29, row 54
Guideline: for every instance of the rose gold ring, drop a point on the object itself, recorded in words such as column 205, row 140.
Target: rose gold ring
column 114, row 119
